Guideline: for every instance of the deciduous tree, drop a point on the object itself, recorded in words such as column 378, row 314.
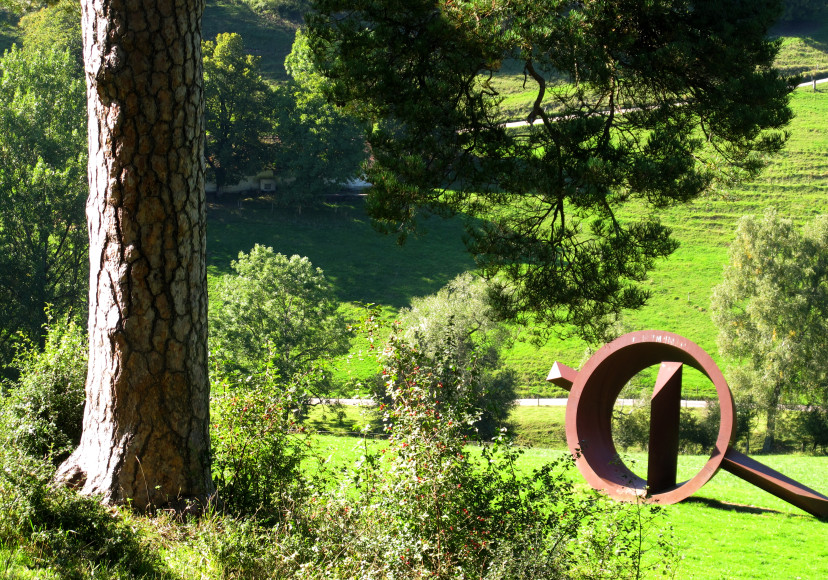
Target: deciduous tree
column 320, row 146
column 771, row 310
column 651, row 102
column 57, row 25
column 277, row 314
column 237, row 107
column 459, row 325
column 42, row 190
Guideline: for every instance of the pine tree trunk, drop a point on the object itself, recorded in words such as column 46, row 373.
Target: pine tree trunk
column 146, row 421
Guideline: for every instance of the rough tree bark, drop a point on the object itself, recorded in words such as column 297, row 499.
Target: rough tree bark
column 146, row 422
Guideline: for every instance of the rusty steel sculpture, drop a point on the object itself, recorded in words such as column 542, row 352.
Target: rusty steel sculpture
column 592, row 394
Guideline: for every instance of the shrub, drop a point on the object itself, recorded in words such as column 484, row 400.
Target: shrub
column 460, row 325
column 698, row 431
column 258, row 447
column 276, row 313
column 812, row 428
column 632, row 428
column 43, row 412
column 427, row 506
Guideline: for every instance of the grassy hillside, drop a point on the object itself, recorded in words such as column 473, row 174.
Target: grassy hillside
column 369, row 267
column 804, row 48
column 796, row 182
column 265, row 36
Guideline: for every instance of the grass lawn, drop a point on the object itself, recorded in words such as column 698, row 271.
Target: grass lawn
column 804, row 48
column 729, row 529
column 368, row 267
column 795, row 182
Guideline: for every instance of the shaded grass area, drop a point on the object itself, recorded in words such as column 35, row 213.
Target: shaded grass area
column 365, row 266
column 265, row 36
column 804, row 48
column 368, row 267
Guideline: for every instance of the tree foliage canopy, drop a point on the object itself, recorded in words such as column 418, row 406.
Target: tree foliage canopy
column 653, row 102
column 460, row 313
column 56, row 25
column 319, row 144
column 460, row 327
column 237, row 107
column 277, row 313
column 771, row 310
column 43, row 188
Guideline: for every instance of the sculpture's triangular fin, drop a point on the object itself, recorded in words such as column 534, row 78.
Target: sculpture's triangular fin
column 562, row 375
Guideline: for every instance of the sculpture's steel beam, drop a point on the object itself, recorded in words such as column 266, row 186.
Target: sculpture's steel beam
column 775, row 483
column 562, row 375
column 665, row 412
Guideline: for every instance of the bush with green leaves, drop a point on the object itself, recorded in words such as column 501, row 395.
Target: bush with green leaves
column 277, row 314
column 698, row 431
column 698, row 428
column 42, row 412
column 460, row 326
column 631, row 427
column 426, row 505
column 812, row 428
column 258, row 446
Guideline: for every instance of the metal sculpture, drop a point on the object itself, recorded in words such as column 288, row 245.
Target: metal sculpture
column 592, row 394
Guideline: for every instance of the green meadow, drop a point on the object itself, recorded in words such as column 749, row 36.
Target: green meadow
column 367, row 267
column 729, row 529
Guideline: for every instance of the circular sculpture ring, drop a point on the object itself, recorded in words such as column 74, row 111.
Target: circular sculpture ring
column 589, row 415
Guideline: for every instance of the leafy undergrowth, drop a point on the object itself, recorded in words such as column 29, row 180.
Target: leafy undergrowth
column 729, row 529
column 54, row 530
column 419, row 504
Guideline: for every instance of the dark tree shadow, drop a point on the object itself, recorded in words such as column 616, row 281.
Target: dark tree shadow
column 363, row 265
